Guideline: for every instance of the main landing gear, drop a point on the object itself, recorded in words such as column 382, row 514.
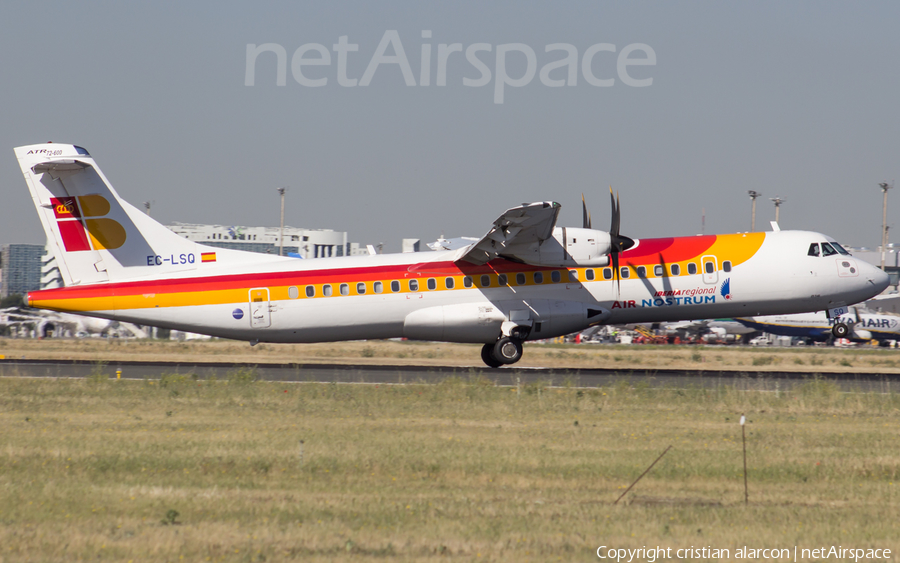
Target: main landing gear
column 507, row 350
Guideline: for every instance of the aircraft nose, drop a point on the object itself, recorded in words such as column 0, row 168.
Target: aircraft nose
column 877, row 277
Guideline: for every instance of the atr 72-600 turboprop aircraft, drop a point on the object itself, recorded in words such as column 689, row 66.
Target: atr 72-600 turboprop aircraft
column 525, row 279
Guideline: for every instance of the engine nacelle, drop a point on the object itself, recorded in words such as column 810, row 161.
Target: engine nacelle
column 861, row 334
column 572, row 246
column 485, row 322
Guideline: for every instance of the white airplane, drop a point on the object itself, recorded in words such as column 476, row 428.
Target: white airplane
column 526, row 279
column 855, row 326
column 52, row 323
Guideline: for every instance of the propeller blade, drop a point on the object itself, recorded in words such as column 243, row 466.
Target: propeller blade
column 586, row 217
column 614, row 223
column 856, row 310
column 617, row 242
column 618, row 214
column 614, row 257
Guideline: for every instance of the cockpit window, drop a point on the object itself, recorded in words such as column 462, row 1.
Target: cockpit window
column 828, row 250
column 840, row 249
column 813, row 249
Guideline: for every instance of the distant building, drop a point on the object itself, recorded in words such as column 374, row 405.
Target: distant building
column 20, row 268
column 409, row 245
column 51, row 277
column 307, row 243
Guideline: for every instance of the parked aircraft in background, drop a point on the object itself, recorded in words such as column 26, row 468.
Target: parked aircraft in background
column 47, row 324
column 855, row 326
column 525, row 279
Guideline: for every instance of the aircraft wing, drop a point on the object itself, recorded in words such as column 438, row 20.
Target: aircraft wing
column 451, row 244
column 515, row 234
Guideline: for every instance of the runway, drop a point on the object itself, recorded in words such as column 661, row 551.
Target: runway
column 402, row 374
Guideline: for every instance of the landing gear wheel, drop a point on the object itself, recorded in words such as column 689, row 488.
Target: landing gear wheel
column 508, row 350
column 487, row 355
column 840, row 330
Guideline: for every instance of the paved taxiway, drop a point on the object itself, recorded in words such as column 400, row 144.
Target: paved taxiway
column 344, row 373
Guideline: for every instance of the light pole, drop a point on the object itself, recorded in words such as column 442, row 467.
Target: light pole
column 778, row 200
column 884, row 188
column 147, row 207
column 753, row 195
column 281, row 236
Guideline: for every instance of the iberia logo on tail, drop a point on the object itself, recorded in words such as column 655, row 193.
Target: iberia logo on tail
column 83, row 225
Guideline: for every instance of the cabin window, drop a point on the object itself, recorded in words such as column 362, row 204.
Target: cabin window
column 467, row 281
column 361, row 288
column 501, row 279
column 624, row 273
column 692, row 268
column 726, row 266
column 520, row 279
column 345, row 289
column 326, row 290
column 589, row 274
column 607, row 273
column 658, row 270
column 709, row 267
column 641, row 271
column 538, row 277
column 293, row 292
column 813, row 249
column 828, row 250
column 573, row 276
column 675, row 269
column 395, row 286
column 485, row 281
column 432, row 284
column 414, row 285
column 378, row 287
column 555, row 277
column 449, row 283
column 310, row 291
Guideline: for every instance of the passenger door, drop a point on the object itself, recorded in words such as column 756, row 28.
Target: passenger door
column 710, row 267
column 259, row 308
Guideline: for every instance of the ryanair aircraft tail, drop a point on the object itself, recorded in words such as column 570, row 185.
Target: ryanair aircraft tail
column 97, row 237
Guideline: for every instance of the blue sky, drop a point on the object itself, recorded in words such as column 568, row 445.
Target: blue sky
column 793, row 99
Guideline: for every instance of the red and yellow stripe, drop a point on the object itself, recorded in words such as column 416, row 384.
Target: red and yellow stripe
column 211, row 290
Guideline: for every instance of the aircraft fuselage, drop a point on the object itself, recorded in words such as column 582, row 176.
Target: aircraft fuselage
column 400, row 295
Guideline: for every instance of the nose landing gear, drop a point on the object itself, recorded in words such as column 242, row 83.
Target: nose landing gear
column 840, row 330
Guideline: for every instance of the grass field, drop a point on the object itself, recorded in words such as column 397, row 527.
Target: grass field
column 184, row 469
column 860, row 359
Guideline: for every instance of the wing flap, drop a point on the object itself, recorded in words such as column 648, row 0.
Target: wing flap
column 515, row 234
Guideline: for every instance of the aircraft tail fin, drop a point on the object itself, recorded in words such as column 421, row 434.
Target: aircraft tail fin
column 96, row 236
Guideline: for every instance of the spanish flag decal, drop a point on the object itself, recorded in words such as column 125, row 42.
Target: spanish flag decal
column 207, row 256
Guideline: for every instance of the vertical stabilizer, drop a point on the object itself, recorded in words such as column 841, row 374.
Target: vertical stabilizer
column 95, row 236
